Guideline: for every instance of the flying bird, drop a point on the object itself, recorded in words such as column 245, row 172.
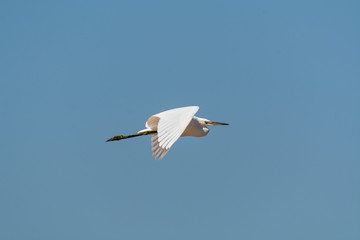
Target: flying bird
column 166, row 127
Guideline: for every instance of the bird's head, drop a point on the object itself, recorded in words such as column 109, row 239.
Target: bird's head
column 207, row 122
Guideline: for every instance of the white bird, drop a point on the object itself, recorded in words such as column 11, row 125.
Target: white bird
column 166, row 127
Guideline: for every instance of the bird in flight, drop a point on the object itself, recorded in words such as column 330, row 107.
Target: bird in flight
column 166, row 127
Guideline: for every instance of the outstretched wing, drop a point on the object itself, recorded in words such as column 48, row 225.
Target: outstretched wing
column 158, row 152
column 170, row 125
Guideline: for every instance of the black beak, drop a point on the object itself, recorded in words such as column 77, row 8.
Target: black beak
column 217, row 123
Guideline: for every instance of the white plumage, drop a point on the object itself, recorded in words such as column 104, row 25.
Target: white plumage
column 170, row 125
column 166, row 128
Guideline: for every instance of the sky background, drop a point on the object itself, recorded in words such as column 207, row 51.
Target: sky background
column 284, row 74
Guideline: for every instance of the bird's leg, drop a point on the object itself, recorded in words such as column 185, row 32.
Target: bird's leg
column 120, row 137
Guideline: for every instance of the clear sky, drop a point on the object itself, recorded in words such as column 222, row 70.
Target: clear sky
column 284, row 74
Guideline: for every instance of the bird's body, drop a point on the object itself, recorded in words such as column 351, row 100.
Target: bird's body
column 195, row 129
column 166, row 127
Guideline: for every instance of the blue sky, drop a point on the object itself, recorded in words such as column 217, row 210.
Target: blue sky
column 284, row 74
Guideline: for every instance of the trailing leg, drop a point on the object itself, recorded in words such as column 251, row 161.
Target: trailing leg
column 120, row 137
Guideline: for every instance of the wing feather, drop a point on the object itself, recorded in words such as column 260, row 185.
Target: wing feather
column 170, row 125
column 171, row 137
column 173, row 123
column 158, row 152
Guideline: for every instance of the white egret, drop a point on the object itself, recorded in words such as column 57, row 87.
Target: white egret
column 166, row 127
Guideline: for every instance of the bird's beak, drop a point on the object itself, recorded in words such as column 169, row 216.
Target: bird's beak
column 217, row 123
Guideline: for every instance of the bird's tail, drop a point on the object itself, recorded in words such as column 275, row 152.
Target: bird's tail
column 121, row 137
